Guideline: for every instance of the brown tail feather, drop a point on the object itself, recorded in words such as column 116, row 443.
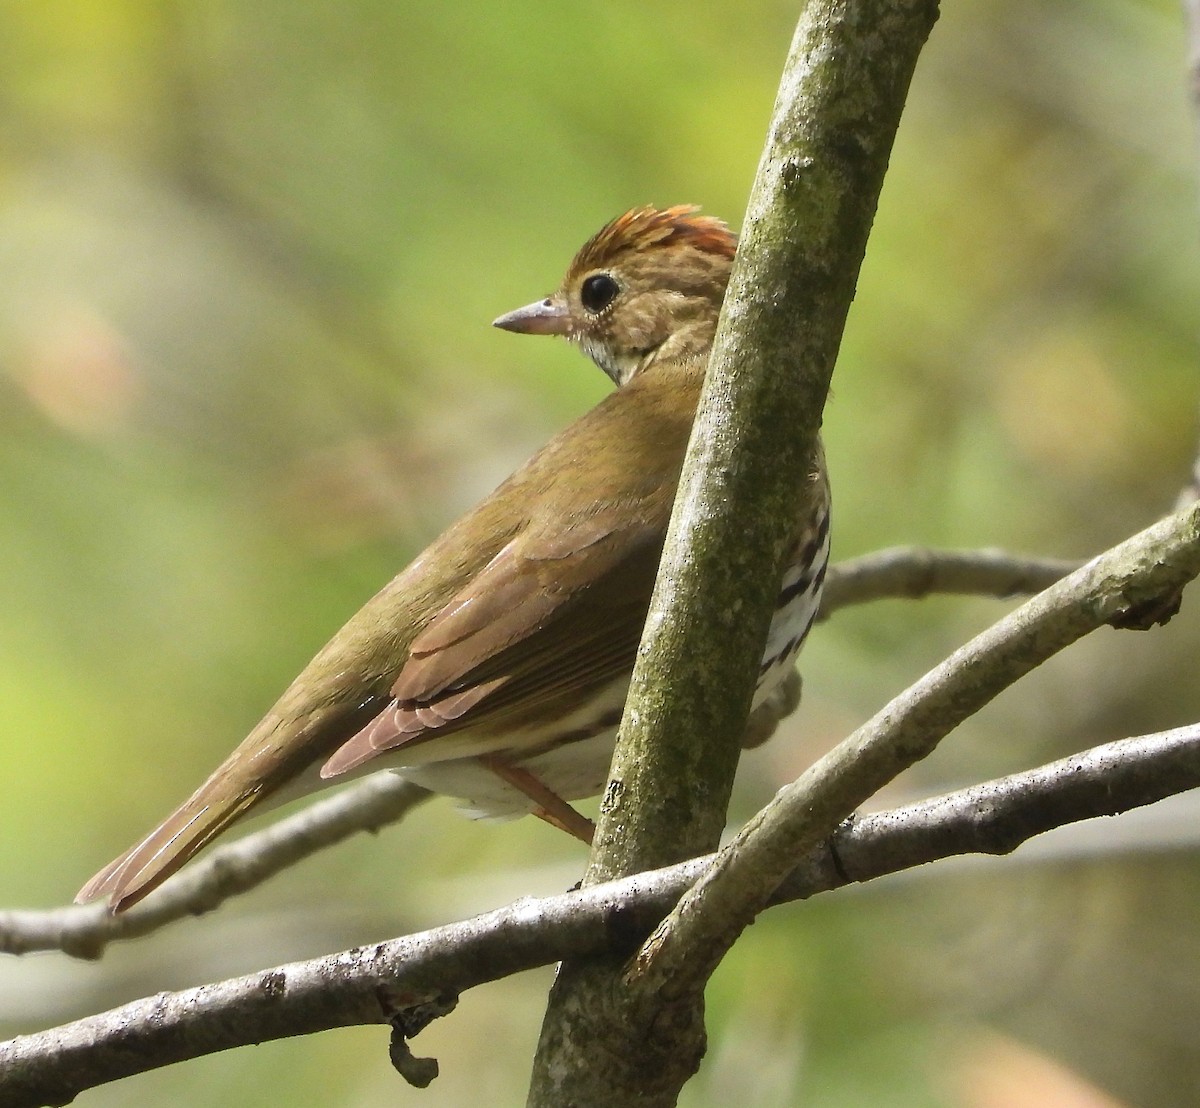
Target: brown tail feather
column 147, row 865
column 275, row 763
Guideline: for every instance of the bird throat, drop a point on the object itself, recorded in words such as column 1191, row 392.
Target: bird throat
column 620, row 366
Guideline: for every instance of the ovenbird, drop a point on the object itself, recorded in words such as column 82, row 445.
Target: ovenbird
column 495, row 666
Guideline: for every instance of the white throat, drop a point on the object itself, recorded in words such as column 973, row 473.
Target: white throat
column 620, row 367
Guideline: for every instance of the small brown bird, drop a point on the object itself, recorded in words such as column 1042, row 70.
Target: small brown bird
column 495, row 667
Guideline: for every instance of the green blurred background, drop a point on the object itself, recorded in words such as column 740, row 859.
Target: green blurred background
column 249, row 252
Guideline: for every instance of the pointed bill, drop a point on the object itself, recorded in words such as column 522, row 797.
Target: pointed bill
column 543, row 317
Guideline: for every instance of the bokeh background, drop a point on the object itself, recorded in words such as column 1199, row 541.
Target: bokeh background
column 249, row 252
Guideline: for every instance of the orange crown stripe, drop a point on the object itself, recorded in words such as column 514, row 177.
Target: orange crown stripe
column 648, row 226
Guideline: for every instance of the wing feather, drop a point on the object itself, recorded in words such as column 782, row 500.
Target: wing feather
column 555, row 634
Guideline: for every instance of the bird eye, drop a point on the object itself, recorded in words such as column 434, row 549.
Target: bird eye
column 598, row 291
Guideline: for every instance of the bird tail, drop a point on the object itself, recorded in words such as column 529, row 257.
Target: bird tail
column 277, row 762
column 147, row 864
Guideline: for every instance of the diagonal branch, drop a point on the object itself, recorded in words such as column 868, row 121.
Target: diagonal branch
column 367, row 985
column 1132, row 576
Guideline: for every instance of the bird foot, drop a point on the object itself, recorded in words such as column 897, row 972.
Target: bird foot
column 550, row 806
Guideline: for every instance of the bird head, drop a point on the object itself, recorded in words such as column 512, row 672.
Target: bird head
column 646, row 288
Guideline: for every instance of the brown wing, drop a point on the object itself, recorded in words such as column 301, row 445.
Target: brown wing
column 549, row 616
column 540, row 645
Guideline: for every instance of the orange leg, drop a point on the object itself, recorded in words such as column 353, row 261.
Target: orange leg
column 550, row 806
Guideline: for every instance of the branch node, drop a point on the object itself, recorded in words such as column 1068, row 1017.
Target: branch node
column 82, row 938
column 417, row 1072
column 407, row 1024
column 835, row 856
column 1146, row 614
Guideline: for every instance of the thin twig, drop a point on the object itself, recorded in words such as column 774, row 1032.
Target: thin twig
column 369, row 985
column 995, row 817
column 914, row 572
column 84, row 930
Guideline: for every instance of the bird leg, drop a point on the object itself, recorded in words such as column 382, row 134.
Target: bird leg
column 550, row 806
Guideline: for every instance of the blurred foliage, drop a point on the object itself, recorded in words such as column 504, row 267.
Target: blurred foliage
column 249, row 254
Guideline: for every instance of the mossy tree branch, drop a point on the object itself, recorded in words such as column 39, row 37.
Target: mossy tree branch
column 751, row 456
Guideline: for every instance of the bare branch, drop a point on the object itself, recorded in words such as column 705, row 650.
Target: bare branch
column 373, row 984
column 1130, row 577
column 84, row 930
column 996, row 817
column 914, row 572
